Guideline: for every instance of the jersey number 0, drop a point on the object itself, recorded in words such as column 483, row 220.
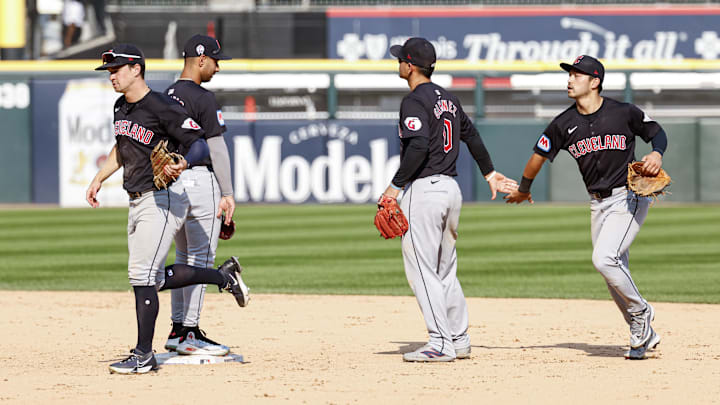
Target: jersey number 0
column 447, row 135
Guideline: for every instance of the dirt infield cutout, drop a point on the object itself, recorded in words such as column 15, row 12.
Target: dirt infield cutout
column 347, row 349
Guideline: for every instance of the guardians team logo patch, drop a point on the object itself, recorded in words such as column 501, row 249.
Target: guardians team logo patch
column 544, row 143
column 221, row 121
column 413, row 123
column 200, row 49
column 190, row 124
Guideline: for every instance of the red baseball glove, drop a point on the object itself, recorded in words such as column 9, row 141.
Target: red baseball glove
column 389, row 219
column 226, row 231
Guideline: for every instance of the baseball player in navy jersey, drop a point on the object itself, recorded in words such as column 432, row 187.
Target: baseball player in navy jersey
column 209, row 188
column 432, row 124
column 143, row 118
column 600, row 133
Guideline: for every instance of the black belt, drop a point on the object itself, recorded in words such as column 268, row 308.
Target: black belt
column 599, row 195
column 137, row 194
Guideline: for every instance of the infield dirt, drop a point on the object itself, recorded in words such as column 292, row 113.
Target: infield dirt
column 347, row 349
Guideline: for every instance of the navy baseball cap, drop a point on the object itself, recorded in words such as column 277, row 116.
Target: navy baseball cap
column 203, row 45
column 588, row 65
column 416, row 51
column 122, row 54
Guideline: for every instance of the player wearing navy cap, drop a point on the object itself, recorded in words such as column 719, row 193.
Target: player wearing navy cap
column 600, row 134
column 144, row 118
column 209, row 189
column 432, row 124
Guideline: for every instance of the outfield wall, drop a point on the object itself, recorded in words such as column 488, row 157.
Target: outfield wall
column 58, row 131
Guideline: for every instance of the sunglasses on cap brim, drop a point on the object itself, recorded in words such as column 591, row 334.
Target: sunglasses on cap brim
column 108, row 57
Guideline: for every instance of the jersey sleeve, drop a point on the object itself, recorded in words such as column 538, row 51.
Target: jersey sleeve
column 549, row 143
column 180, row 127
column 414, row 119
column 210, row 116
column 641, row 124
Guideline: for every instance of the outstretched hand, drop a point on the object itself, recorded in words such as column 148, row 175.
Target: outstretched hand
column 499, row 183
column 517, row 197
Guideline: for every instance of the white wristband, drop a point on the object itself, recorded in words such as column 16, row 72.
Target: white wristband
column 490, row 176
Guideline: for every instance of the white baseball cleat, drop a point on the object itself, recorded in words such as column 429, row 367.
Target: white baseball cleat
column 463, row 352
column 640, row 352
column 640, row 330
column 195, row 342
column 427, row 354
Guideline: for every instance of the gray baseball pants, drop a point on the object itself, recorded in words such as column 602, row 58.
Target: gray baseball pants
column 432, row 206
column 197, row 240
column 153, row 220
column 615, row 222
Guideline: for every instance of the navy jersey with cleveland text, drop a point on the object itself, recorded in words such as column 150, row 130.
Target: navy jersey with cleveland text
column 202, row 106
column 431, row 111
column 602, row 143
column 138, row 127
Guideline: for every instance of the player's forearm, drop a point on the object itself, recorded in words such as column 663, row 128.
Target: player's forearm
column 659, row 142
column 532, row 168
column 480, row 154
column 221, row 163
column 110, row 166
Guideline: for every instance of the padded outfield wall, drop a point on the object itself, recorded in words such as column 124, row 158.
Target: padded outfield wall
column 58, row 133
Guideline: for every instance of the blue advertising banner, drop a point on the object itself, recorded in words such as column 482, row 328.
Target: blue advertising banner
column 316, row 161
column 531, row 34
column 321, row 161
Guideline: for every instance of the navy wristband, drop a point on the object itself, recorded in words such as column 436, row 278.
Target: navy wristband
column 524, row 186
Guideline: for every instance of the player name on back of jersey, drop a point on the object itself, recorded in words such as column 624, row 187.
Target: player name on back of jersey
column 444, row 106
column 137, row 132
column 595, row 143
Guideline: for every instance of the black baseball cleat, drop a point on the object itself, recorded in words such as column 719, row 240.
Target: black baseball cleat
column 230, row 271
column 136, row 363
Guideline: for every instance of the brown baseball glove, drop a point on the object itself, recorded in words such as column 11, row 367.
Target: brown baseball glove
column 389, row 219
column 161, row 157
column 644, row 185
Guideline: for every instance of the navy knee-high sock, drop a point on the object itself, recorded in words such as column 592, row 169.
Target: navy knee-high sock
column 181, row 275
column 146, row 309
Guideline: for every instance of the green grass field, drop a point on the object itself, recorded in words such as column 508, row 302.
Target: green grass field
column 504, row 251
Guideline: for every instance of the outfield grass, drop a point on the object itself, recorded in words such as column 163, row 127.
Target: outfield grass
column 504, row 251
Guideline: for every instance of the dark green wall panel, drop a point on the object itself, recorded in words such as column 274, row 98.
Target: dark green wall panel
column 15, row 138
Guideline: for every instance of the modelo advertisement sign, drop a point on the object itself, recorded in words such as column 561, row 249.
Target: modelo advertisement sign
column 531, row 34
column 344, row 161
column 85, row 113
column 315, row 161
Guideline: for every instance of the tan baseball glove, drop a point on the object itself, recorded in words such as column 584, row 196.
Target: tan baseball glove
column 644, row 185
column 389, row 219
column 161, row 157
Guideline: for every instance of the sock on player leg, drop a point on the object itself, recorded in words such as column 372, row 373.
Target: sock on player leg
column 146, row 310
column 181, row 275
